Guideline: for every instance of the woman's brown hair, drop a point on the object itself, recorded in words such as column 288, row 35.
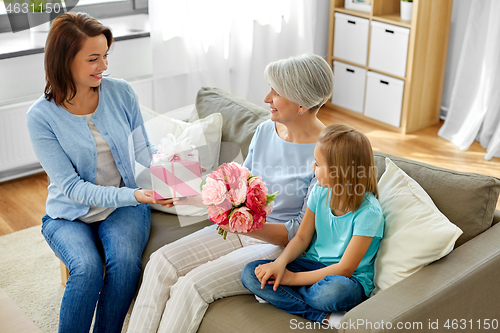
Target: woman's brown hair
column 352, row 171
column 65, row 40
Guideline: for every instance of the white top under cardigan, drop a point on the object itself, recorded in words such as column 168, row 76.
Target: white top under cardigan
column 107, row 173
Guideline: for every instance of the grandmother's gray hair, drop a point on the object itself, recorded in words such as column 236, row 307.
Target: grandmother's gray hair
column 306, row 80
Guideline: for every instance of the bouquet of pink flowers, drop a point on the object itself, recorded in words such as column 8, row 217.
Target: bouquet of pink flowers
column 236, row 198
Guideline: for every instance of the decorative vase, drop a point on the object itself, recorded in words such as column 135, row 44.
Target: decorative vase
column 406, row 10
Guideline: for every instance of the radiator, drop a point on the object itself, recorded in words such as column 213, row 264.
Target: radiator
column 17, row 158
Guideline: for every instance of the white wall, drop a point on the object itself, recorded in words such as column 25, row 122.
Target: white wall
column 25, row 76
column 23, row 80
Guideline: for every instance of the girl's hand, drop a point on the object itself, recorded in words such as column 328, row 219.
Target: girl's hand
column 273, row 270
column 286, row 280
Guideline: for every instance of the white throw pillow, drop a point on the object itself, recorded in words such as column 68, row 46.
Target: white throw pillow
column 205, row 134
column 416, row 233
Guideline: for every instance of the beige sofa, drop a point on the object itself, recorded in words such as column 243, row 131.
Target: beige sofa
column 461, row 288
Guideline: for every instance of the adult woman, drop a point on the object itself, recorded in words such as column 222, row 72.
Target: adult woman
column 85, row 131
column 281, row 152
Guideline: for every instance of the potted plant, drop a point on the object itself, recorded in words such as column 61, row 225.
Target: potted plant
column 406, row 9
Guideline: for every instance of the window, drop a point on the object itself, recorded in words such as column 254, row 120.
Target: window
column 97, row 8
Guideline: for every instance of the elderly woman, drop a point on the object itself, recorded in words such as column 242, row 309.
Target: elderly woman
column 184, row 277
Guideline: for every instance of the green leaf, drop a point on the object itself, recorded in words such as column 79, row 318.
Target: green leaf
column 203, row 182
column 271, row 197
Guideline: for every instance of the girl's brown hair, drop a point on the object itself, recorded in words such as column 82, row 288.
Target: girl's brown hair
column 352, row 171
column 65, row 40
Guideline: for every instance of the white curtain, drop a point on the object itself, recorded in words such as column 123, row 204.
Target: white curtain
column 474, row 111
column 228, row 43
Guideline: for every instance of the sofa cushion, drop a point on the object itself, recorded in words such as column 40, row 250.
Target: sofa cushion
column 466, row 199
column 416, row 233
column 244, row 314
column 240, row 117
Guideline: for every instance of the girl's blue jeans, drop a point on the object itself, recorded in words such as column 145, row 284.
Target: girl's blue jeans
column 334, row 293
column 118, row 242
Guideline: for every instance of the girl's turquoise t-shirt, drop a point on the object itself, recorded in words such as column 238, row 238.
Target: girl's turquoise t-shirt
column 335, row 232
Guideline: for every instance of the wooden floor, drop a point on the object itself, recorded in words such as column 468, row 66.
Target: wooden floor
column 22, row 202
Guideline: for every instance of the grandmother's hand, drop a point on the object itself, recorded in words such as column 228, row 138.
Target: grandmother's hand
column 146, row 196
column 191, row 201
column 225, row 227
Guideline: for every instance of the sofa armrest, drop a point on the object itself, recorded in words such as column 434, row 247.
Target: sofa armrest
column 461, row 286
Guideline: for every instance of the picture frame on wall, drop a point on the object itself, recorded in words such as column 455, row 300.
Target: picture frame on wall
column 362, row 5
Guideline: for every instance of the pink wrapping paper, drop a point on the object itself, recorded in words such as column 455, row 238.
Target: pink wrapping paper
column 178, row 177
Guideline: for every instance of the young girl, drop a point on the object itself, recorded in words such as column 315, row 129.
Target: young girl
column 336, row 273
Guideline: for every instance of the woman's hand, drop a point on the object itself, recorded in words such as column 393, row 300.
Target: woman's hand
column 273, row 270
column 146, row 196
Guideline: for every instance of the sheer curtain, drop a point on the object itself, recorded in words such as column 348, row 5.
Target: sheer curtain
column 474, row 111
column 227, row 44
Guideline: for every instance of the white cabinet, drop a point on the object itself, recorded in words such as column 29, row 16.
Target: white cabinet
column 384, row 97
column 349, row 86
column 351, row 38
column 388, row 48
column 388, row 54
column 409, row 54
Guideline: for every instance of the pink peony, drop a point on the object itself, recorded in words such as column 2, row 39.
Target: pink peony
column 256, row 196
column 241, row 220
column 220, row 213
column 259, row 218
column 238, row 194
column 257, row 180
column 232, row 185
column 234, row 174
column 245, row 173
column 214, row 192
column 269, row 208
column 217, row 174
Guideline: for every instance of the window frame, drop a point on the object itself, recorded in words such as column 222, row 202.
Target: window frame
column 99, row 11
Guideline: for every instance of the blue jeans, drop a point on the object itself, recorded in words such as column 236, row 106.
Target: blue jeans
column 334, row 293
column 118, row 242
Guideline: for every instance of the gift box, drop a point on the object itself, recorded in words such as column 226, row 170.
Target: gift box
column 175, row 170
